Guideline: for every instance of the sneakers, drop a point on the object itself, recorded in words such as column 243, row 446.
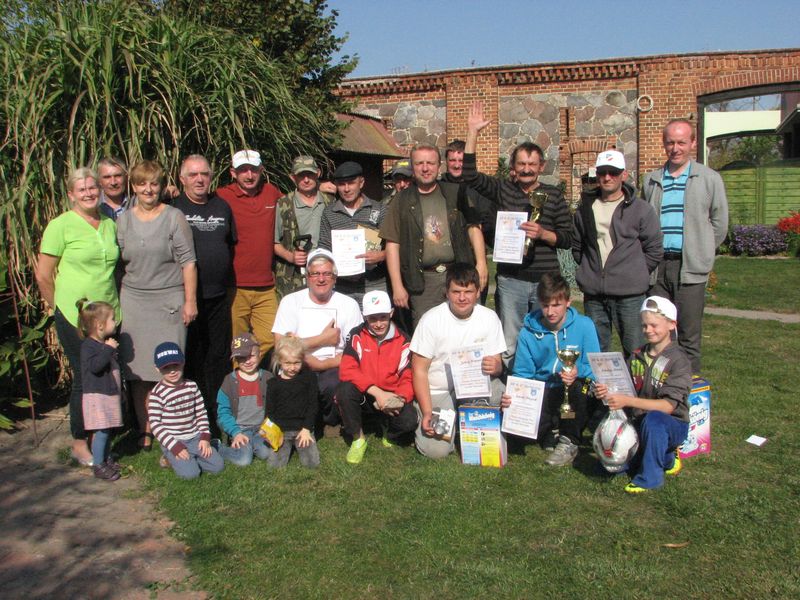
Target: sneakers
column 632, row 488
column 105, row 472
column 677, row 466
column 387, row 443
column 216, row 443
column 564, row 453
column 163, row 462
column 550, row 441
column 357, row 449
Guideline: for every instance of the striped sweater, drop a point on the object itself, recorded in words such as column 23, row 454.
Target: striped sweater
column 177, row 413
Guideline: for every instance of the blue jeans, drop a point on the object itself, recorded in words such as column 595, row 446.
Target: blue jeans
column 243, row 455
column 100, row 441
column 513, row 300
column 620, row 313
column 659, row 435
column 309, row 456
column 195, row 464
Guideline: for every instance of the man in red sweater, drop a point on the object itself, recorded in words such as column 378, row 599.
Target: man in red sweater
column 253, row 201
column 375, row 377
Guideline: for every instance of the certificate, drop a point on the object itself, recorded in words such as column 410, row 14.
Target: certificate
column 468, row 378
column 522, row 417
column 346, row 245
column 312, row 321
column 509, row 239
column 609, row 368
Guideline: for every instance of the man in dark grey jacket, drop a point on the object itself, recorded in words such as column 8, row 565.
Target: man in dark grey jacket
column 617, row 245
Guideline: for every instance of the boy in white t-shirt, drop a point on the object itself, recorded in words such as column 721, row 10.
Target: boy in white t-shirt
column 457, row 323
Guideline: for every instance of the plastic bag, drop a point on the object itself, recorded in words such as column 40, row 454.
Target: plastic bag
column 272, row 433
column 615, row 441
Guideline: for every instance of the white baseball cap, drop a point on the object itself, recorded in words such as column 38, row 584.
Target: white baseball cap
column 376, row 303
column 611, row 158
column 246, row 157
column 660, row 306
column 320, row 252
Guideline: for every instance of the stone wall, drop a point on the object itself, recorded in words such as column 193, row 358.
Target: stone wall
column 412, row 122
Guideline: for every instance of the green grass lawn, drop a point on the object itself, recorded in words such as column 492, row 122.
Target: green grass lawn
column 757, row 284
column 402, row 526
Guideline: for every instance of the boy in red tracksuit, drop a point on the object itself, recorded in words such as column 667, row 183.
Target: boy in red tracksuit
column 375, row 377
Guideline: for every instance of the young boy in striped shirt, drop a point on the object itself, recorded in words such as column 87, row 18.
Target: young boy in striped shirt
column 178, row 417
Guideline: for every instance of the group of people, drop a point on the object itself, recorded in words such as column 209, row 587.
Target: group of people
column 162, row 289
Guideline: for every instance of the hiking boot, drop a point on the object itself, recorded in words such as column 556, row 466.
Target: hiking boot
column 564, row 453
column 356, row 453
column 105, row 472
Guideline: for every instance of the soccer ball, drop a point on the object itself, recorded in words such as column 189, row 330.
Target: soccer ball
column 615, row 441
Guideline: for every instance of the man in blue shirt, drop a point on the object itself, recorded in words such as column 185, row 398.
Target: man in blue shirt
column 691, row 203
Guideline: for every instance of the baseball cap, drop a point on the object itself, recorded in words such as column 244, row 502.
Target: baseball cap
column 347, row 170
column 315, row 254
column 376, row 303
column 660, row 306
column 611, row 158
column 242, row 345
column 304, row 164
column 168, row 353
column 402, row 167
column 246, row 157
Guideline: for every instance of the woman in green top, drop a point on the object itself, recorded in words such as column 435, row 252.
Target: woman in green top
column 76, row 260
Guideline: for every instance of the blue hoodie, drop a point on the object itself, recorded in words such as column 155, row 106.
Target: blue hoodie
column 536, row 356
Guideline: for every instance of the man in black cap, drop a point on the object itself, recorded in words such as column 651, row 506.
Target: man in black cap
column 353, row 210
column 297, row 222
column 402, row 176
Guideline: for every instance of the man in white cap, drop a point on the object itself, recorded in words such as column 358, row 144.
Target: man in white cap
column 297, row 223
column 617, row 245
column 690, row 200
column 253, row 201
column 322, row 318
column 375, row 375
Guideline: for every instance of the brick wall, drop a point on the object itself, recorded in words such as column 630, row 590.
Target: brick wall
column 665, row 87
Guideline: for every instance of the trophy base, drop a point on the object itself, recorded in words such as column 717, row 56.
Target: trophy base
column 567, row 414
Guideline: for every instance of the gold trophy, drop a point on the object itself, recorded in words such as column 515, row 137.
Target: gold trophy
column 568, row 357
column 536, row 200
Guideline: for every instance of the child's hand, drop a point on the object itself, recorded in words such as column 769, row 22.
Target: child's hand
column 112, row 342
column 569, row 377
column 183, row 454
column 492, row 365
column 205, row 449
column 239, row 440
column 601, row 392
column 505, row 401
column 304, row 438
column 616, row 401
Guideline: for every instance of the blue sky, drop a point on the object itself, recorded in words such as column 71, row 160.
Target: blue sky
column 410, row 36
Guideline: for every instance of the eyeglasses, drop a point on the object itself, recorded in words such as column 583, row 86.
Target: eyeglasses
column 321, row 274
column 610, row 172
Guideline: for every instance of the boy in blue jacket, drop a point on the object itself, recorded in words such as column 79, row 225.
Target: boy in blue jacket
column 557, row 326
column 241, row 404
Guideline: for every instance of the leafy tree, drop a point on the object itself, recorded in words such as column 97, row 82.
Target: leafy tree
column 297, row 33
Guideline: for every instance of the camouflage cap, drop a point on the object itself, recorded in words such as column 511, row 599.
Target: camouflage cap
column 304, row 164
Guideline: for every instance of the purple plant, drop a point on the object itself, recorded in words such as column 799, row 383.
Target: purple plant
column 757, row 240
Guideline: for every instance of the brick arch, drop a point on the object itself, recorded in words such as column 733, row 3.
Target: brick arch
column 746, row 79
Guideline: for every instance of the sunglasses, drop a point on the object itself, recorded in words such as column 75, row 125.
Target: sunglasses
column 611, row 172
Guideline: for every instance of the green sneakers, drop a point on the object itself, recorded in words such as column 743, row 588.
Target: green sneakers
column 632, row 488
column 677, row 466
column 356, row 453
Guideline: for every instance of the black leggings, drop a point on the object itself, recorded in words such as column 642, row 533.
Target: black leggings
column 71, row 341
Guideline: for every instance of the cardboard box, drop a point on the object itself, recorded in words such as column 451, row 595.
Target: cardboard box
column 482, row 442
column 699, row 439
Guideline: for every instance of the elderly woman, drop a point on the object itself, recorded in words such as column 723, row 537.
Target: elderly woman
column 158, row 292
column 76, row 260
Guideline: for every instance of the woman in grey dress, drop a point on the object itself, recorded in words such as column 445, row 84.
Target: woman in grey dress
column 159, row 287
